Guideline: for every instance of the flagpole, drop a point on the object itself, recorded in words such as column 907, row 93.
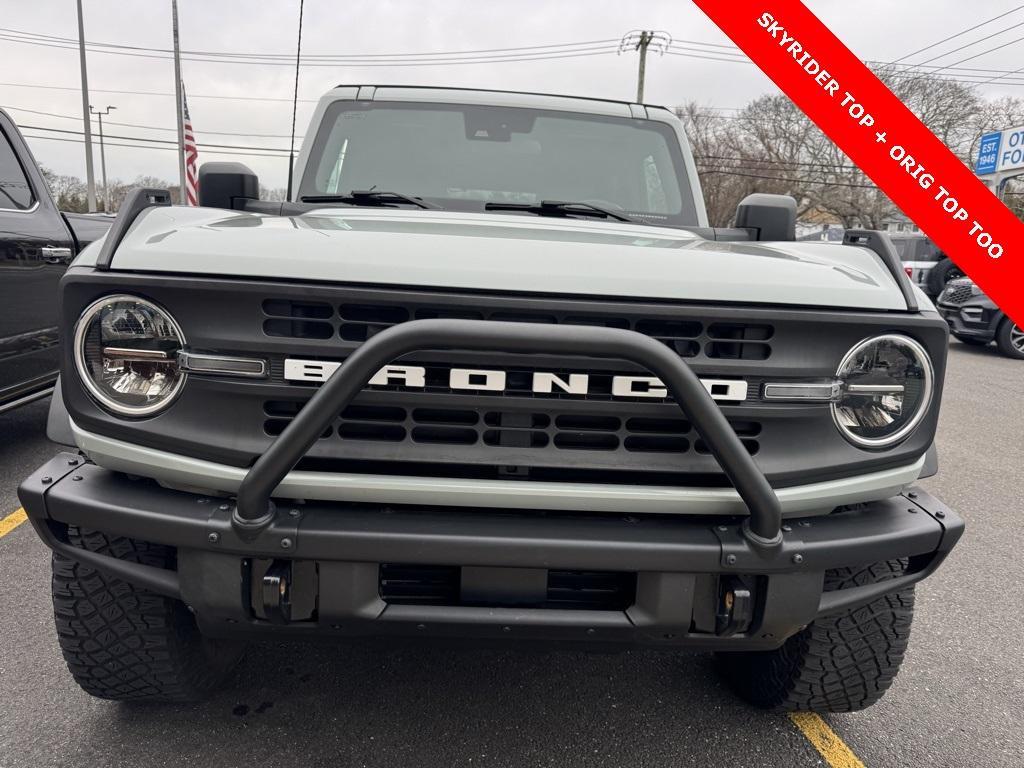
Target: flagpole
column 180, row 102
column 295, row 104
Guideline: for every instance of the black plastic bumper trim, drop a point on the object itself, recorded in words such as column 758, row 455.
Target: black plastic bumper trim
column 158, row 580
column 913, row 525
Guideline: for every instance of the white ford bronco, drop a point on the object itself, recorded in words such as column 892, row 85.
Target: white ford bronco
column 489, row 374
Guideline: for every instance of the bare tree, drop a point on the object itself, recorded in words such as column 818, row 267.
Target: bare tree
column 771, row 146
column 68, row 192
column 277, row 194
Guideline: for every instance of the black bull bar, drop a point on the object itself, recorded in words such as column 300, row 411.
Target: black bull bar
column 255, row 510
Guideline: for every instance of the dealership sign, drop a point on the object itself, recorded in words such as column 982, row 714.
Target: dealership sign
column 1000, row 151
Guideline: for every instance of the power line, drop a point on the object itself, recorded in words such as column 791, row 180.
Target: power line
column 982, row 77
column 968, row 71
column 738, row 58
column 288, row 57
column 971, row 75
column 728, row 46
column 672, row 52
column 958, row 34
column 153, row 127
column 972, row 43
column 159, row 148
column 157, row 140
column 152, row 93
column 757, row 161
column 975, row 56
column 791, row 181
column 701, row 170
column 355, row 60
column 1000, row 77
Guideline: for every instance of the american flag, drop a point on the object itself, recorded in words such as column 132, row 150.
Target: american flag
column 191, row 154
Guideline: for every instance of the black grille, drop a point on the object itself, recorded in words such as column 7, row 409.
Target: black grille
column 507, row 435
column 404, row 584
column 511, row 429
column 591, row 590
column 412, row 584
column 957, row 294
column 359, row 322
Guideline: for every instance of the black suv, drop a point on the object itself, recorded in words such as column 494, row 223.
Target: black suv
column 37, row 242
column 975, row 319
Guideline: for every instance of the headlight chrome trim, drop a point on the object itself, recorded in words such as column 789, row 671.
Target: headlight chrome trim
column 928, row 391
column 81, row 366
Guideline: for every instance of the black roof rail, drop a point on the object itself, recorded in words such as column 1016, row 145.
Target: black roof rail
column 490, row 90
column 879, row 242
column 135, row 202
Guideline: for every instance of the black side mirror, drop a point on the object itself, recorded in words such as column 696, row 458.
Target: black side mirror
column 772, row 217
column 227, row 185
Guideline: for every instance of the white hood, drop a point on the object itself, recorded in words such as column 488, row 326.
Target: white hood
column 507, row 253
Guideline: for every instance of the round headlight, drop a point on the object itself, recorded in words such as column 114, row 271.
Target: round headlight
column 126, row 351
column 886, row 388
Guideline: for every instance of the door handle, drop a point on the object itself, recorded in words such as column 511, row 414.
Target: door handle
column 54, row 255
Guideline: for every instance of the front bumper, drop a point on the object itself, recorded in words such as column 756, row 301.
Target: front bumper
column 680, row 563
column 973, row 320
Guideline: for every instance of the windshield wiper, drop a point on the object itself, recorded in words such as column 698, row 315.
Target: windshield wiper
column 372, row 197
column 557, row 208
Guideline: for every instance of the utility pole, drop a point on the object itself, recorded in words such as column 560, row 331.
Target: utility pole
column 640, row 40
column 180, row 103
column 90, row 179
column 103, row 156
column 641, row 45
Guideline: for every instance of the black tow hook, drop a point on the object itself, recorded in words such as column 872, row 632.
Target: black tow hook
column 735, row 608
column 276, row 592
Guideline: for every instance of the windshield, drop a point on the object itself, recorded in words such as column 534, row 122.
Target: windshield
column 464, row 156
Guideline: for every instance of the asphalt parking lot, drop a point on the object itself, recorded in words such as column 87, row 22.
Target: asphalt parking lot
column 957, row 701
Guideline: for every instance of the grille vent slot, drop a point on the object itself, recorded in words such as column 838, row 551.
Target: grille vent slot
column 354, row 322
column 404, row 584
column 413, row 584
column 510, row 429
column 736, row 341
column 298, row 319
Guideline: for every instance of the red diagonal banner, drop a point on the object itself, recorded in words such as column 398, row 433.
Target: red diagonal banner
column 884, row 138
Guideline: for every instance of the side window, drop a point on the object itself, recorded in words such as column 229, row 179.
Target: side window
column 15, row 193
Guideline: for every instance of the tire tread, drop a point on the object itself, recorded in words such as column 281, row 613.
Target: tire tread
column 122, row 642
column 839, row 663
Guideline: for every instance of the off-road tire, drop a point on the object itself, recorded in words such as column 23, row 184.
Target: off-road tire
column 124, row 643
column 840, row 663
column 943, row 271
column 1005, row 337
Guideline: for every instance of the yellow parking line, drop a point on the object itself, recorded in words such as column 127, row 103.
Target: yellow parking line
column 825, row 740
column 12, row 521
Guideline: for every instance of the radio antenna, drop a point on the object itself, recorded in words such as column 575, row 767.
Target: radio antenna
column 295, row 104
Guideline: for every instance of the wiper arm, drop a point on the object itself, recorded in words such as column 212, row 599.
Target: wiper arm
column 557, row 208
column 371, row 197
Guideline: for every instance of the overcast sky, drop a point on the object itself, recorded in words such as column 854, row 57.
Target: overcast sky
column 874, row 29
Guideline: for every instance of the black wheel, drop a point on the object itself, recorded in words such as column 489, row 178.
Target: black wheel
column 839, row 663
column 1010, row 339
column 124, row 643
column 972, row 341
column 944, row 271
